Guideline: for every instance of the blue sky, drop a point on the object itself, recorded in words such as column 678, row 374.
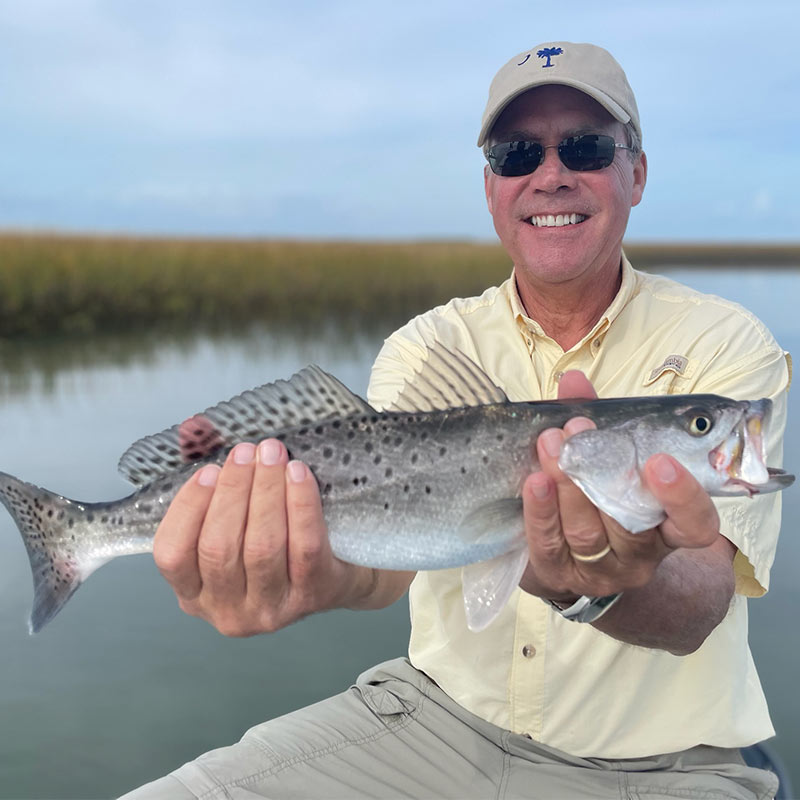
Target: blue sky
column 358, row 119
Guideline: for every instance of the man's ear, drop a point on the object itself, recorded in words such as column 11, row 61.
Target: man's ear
column 639, row 178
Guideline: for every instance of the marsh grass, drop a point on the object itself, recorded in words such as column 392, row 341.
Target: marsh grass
column 57, row 284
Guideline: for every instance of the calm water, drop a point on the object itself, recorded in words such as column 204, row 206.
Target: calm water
column 123, row 687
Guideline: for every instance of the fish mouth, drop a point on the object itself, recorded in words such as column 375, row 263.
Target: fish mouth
column 741, row 457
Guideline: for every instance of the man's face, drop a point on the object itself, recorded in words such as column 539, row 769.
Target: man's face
column 548, row 255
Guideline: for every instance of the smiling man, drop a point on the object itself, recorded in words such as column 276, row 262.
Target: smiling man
column 621, row 667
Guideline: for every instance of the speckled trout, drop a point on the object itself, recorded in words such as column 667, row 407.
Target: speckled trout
column 432, row 482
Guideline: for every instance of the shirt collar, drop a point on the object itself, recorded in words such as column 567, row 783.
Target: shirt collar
column 527, row 326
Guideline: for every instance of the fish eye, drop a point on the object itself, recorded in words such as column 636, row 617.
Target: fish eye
column 699, row 423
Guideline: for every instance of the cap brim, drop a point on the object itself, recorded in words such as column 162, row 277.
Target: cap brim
column 613, row 108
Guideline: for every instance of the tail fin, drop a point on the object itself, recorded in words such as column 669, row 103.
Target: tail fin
column 46, row 521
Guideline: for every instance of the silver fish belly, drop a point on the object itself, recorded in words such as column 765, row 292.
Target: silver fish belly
column 421, row 486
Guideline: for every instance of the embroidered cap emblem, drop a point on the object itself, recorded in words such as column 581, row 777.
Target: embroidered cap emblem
column 548, row 53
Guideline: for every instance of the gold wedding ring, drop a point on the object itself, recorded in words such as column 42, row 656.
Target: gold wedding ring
column 591, row 559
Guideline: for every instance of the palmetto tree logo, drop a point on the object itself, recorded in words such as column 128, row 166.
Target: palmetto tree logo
column 548, row 52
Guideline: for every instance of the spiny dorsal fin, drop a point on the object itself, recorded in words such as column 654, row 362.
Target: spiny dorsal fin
column 447, row 379
column 309, row 396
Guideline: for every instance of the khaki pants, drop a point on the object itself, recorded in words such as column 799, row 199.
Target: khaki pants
column 395, row 734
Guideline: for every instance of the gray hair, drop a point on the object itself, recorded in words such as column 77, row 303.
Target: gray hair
column 634, row 141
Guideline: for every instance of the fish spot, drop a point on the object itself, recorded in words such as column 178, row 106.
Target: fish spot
column 90, row 517
column 363, row 480
column 414, row 458
column 423, row 436
column 385, row 506
column 368, row 447
column 406, row 488
column 500, row 437
column 463, row 470
column 427, row 490
column 337, row 424
column 351, row 434
column 319, row 430
column 305, row 447
column 442, row 451
column 346, row 458
column 327, row 452
column 378, row 458
column 355, row 481
column 388, row 472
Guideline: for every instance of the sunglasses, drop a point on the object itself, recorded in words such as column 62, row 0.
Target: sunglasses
column 584, row 153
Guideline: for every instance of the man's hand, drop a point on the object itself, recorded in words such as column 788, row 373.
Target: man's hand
column 564, row 529
column 246, row 548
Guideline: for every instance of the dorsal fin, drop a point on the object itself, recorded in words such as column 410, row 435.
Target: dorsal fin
column 309, row 396
column 447, row 379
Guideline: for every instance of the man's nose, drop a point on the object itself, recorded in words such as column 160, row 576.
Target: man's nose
column 551, row 174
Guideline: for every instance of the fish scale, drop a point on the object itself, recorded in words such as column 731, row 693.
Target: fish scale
column 419, row 486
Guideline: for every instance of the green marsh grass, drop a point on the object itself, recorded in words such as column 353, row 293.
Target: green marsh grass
column 62, row 284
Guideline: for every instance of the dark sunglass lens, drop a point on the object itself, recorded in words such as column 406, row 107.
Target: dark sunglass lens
column 587, row 152
column 512, row 159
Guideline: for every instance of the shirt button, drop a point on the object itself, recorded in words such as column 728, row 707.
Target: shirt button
column 529, row 651
column 558, row 376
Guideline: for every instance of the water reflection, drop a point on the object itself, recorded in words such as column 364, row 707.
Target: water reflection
column 35, row 366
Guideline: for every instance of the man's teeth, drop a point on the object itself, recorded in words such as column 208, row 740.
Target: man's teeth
column 557, row 221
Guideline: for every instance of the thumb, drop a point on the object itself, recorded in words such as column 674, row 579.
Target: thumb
column 574, row 384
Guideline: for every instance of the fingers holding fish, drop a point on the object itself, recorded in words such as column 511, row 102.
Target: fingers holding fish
column 692, row 519
column 219, row 549
column 264, row 548
column 175, row 541
column 582, row 526
column 311, row 563
column 575, row 548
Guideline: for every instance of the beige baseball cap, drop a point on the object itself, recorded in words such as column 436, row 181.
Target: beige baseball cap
column 587, row 67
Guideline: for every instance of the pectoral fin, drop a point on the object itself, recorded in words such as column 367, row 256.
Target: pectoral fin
column 488, row 585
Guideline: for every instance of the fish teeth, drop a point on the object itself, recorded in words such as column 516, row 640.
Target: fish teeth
column 556, row 221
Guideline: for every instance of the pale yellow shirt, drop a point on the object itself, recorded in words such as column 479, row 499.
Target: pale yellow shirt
column 567, row 684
